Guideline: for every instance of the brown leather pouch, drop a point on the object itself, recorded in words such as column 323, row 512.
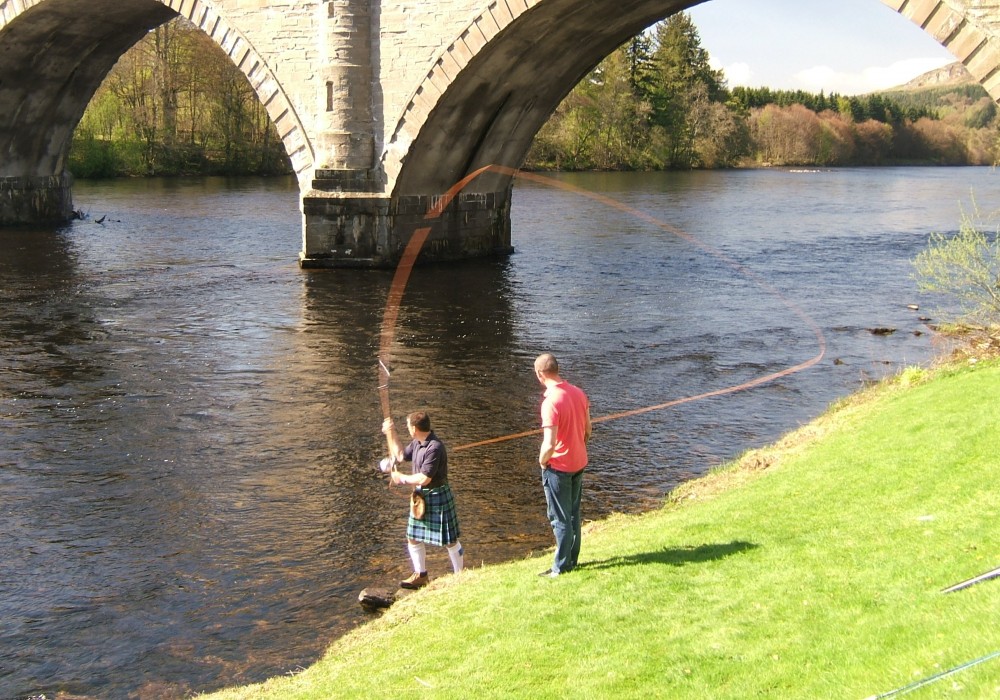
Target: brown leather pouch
column 417, row 505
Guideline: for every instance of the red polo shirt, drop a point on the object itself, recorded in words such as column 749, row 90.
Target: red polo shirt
column 565, row 407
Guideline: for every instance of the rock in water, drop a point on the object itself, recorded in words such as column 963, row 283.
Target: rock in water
column 373, row 598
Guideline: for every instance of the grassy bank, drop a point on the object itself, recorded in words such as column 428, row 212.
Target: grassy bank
column 811, row 569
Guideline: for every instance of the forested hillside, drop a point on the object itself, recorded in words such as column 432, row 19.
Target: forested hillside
column 954, row 96
column 656, row 103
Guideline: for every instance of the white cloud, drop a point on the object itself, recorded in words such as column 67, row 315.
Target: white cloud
column 738, row 74
column 826, row 79
column 903, row 71
column 823, row 78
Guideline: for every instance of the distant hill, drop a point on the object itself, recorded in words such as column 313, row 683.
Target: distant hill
column 951, row 93
column 952, row 74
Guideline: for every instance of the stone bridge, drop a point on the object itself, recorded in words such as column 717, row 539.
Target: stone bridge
column 381, row 106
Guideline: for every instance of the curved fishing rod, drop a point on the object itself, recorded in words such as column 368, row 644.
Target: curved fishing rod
column 416, row 243
column 400, row 280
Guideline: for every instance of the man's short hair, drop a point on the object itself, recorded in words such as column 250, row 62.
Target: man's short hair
column 420, row 420
column 546, row 363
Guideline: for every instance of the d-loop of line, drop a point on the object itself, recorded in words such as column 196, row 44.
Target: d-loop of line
column 419, row 237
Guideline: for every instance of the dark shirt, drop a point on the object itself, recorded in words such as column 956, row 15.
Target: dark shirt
column 430, row 459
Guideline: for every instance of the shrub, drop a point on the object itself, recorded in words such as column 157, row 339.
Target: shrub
column 91, row 157
column 966, row 269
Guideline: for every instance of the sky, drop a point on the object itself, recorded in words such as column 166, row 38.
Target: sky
column 850, row 47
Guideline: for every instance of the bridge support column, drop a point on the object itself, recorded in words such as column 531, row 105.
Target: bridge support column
column 346, row 143
column 36, row 199
column 345, row 229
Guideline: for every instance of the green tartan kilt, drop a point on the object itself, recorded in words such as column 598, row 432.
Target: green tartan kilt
column 439, row 525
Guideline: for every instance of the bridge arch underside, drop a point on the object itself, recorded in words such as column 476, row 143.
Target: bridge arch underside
column 55, row 56
column 493, row 108
column 487, row 114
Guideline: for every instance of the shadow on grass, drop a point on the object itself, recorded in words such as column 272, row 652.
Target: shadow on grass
column 674, row 556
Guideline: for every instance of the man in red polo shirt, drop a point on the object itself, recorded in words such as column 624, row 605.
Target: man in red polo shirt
column 566, row 429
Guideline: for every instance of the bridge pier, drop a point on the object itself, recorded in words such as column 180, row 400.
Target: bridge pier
column 36, row 199
column 371, row 230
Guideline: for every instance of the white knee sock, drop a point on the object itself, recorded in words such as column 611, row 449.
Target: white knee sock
column 418, row 555
column 457, row 555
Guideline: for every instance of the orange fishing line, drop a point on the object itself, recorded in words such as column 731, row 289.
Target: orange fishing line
column 419, row 237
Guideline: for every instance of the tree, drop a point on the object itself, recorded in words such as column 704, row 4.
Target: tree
column 786, row 135
column 874, row 142
column 621, row 115
column 981, row 114
column 130, row 82
column 682, row 74
column 639, row 59
column 965, row 268
column 577, row 136
column 176, row 104
column 164, row 63
column 941, row 141
column 679, row 60
column 837, row 143
column 603, row 124
column 719, row 132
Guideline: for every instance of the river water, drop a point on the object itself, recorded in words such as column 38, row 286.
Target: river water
column 189, row 423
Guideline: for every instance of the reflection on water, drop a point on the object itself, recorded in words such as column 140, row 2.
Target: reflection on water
column 189, row 424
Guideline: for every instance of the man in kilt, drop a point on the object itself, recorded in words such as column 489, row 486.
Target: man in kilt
column 438, row 525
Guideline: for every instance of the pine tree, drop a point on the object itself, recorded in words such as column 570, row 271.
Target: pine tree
column 683, row 75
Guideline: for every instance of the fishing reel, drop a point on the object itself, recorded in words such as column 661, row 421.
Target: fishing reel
column 387, row 465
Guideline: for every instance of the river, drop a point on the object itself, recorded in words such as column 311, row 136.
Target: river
column 189, row 423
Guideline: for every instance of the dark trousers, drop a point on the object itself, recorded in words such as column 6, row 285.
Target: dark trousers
column 563, row 494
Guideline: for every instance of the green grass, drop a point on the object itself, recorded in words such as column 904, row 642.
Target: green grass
column 810, row 569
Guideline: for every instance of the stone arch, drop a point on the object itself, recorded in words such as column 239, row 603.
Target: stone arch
column 57, row 53
column 449, row 63
column 969, row 33
column 261, row 77
column 461, row 117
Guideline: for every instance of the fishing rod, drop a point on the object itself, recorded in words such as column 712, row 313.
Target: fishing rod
column 931, row 679
column 973, row 581
column 402, row 277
